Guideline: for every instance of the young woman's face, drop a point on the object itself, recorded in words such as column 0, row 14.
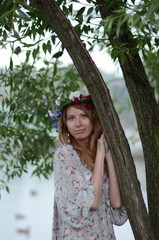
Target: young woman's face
column 78, row 124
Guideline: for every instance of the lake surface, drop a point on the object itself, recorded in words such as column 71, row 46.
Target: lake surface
column 26, row 212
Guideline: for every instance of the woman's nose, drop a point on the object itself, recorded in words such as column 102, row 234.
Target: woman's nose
column 78, row 122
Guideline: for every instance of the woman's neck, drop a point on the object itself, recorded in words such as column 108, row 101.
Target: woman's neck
column 84, row 144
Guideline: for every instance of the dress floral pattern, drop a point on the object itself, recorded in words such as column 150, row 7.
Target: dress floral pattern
column 74, row 196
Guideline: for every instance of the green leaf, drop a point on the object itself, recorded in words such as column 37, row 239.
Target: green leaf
column 3, row 15
column 49, row 46
column 90, row 10
column 58, row 54
column 157, row 41
column 35, row 52
column 22, row 15
column 122, row 57
column 27, row 56
column 11, row 64
column 53, row 39
column 114, row 53
column 7, row 189
column 80, row 12
column 77, row 28
column 44, row 47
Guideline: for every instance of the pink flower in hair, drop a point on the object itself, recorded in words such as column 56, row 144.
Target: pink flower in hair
column 88, row 97
column 76, row 100
column 87, row 106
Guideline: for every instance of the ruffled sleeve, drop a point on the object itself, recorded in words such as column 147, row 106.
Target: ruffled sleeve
column 118, row 216
column 74, row 192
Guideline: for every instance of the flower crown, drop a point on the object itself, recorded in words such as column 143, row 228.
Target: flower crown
column 74, row 98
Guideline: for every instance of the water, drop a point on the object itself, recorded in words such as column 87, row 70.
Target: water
column 26, row 213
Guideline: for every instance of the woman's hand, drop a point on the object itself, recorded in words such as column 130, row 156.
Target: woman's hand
column 101, row 144
column 106, row 146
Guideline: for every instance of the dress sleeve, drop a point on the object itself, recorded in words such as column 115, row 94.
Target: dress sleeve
column 74, row 193
column 118, row 216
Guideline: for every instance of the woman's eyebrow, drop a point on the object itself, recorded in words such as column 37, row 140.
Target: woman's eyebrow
column 70, row 115
column 73, row 115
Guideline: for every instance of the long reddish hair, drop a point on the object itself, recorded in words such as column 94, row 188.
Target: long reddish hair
column 87, row 156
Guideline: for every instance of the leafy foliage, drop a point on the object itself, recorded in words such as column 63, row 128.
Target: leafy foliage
column 27, row 136
column 142, row 18
column 152, row 69
column 20, row 22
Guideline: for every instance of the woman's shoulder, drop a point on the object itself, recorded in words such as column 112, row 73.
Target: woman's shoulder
column 66, row 153
column 64, row 148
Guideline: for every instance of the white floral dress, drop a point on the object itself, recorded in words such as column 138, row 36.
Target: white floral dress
column 74, row 196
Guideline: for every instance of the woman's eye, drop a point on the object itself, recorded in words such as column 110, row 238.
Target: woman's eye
column 83, row 115
column 70, row 118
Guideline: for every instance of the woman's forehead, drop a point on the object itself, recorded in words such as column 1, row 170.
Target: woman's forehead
column 74, row 110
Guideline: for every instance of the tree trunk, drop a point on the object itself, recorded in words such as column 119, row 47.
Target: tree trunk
column 118, row 143
column 145, row 107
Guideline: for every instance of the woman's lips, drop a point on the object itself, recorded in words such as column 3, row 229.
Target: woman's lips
column 79, row 131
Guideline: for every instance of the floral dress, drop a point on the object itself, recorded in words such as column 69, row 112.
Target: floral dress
column 73, row 199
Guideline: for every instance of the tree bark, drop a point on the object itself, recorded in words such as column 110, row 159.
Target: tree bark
column 118, row 143
column 145, row 107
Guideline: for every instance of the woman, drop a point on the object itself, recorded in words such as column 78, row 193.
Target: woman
column 87, row 199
